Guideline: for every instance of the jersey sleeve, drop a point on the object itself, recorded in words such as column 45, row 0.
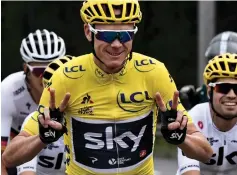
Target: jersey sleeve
column 186, row 164
column 7, row 112
column 28, row 166
column 30, row 124
column 165, row 85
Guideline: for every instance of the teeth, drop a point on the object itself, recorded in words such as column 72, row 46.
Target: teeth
column 229, row 104
column 114, row 54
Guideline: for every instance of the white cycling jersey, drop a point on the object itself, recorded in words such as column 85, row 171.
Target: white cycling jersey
column 224, row 145
column 16, row 105
column 49, row 161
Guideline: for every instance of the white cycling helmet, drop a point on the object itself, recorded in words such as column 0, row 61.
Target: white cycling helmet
column 42, row 46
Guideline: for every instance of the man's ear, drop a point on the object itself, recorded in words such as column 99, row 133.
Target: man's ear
column 24, row 67
column 87, row 32
column 208, row 91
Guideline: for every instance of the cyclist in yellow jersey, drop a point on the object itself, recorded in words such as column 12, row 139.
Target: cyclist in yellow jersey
column 105, row 102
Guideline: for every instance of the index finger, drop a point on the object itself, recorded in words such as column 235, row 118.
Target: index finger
column 175, row 100
column 160, row 103
column 64, row 102
column 52, row 99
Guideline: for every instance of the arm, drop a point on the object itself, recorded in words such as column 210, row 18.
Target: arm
column 22, row 148
column 7, row 110
column 28, row 168
column 25, row 145
column 187, row 166
column 195, row 145
column 3, row 169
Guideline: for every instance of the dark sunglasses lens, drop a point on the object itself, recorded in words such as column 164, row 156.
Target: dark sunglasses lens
column 38, row 71
column 224, row 88
column 126, row 36
column 109, row 37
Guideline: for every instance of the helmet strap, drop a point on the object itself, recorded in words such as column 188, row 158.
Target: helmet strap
column 212, row 106
column 27, row 81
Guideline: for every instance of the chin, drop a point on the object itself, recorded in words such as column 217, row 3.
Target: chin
column 228, row 112
column 114, row 64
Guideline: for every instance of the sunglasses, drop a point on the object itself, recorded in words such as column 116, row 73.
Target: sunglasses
column 110, row 35
column 224, row 88
column 37, row 70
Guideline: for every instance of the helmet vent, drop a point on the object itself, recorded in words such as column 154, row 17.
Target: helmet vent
column 222, row 64
column 215, row 66
column 232, row 67
column 106, row 10
column 118, row 7
column 215, row 73
column 90, row 12
column 225, row 74
column 97, row 9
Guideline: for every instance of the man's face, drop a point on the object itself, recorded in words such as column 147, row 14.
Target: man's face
column 225, row 104
column 112, row 54
column 35, row 75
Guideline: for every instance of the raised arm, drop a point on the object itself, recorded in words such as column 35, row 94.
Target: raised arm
column 195, row 145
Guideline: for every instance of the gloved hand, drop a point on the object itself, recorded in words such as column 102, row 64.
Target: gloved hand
column 176, row 136
column 49, row 134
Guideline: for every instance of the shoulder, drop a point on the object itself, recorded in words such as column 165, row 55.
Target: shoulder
column 74, row 68
column 14, row 84
column 78, row 60
column 145, row 60
column 200, row 110
column 200, row 115
column 143, row 63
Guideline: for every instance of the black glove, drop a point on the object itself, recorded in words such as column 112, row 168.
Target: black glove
column 176, row 136
column 49, row 135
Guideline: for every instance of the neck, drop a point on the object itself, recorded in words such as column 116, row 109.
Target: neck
column 34, row 94
column 221, row 124
column 106, row 69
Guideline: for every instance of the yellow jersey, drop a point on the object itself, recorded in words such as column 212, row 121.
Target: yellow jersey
column 111, row 118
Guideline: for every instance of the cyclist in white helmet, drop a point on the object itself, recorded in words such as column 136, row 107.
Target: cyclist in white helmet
column 21, row 91
column 216, row 119
column 51, row 159
column 225, row 42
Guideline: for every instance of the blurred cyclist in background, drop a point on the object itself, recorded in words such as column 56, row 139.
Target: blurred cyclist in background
column 216, row 119
column 21, row 91
column 221, row 43
column 51, row 159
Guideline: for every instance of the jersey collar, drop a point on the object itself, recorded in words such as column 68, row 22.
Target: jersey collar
column 105, row 77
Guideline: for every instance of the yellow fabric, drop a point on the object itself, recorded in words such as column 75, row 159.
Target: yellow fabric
column 30, row 125
column 108, row 114
column 102, row 11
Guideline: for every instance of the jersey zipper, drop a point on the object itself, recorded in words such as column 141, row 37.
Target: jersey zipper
column 115, row 114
